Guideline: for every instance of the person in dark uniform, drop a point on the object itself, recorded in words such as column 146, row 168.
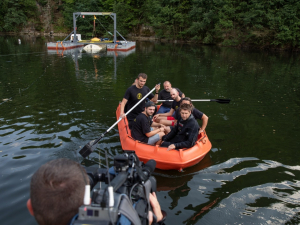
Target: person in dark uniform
column 135, row 93
column 165, row 95
column 185, row 132
column 198, row 115
column 144, row 129
column 168, row 118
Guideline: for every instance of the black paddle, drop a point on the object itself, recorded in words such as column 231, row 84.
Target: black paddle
column 222, row 101
column 91, row 146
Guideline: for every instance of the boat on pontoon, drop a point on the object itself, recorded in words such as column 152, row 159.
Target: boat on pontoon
column 76, row 41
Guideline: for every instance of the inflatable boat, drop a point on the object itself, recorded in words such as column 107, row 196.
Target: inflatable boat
column 165, row 160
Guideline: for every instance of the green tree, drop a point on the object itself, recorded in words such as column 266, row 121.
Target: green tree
column 15, row 13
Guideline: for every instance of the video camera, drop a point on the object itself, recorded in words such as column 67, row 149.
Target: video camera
column 129, row 183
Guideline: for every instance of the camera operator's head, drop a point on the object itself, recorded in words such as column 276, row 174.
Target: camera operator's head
column 56, row 191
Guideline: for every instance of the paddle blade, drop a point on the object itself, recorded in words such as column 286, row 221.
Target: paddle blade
column 88, row 149
column 222, row 101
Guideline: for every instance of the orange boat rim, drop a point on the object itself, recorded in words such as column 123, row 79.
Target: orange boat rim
column 165, row 160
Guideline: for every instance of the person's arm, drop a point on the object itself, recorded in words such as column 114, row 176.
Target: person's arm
column 123, row 103
column 170, row 113
column 154, row 99
column 154, row 124
column 151, row 133
column 204, row 123
column 170, row 147
column 159, row 95
column 155, row 207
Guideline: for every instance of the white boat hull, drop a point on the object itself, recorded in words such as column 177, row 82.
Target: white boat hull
column 91, row 48
column 63, row 45
column 123, row 46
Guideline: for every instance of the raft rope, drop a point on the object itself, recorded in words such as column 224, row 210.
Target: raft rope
column 61, row 43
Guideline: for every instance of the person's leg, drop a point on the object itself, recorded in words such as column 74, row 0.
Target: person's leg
column 163, row 109
column 168, row 129
column 167, row 122
column 164, row 118
column 155, row 138
column 158, row 143
column 161, row 134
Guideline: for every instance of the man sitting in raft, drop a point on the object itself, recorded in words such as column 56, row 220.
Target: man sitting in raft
column 167, row 118
column 185, row 132
column 165, row 95
column 198, row 115
column 133, row 95
column 143, row 129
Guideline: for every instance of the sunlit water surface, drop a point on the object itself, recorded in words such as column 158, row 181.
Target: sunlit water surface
column 53, row 102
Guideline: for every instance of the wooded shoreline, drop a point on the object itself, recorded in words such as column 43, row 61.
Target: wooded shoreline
column 162, row 40
column 238, row 23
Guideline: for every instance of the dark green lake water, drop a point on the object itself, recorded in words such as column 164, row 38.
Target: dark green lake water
column 53, row 103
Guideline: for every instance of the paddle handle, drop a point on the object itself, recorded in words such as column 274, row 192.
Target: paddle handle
column 193, row 100
column 102, row 135
column 202, row 100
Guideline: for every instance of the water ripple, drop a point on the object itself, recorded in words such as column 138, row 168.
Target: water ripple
column 261, row 201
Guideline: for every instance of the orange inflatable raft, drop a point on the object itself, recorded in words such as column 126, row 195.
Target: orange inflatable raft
column 165, row 160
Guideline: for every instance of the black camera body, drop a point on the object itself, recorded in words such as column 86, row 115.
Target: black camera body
column 129, row 182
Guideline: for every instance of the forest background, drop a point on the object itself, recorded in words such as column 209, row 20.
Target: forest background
column 243, row 23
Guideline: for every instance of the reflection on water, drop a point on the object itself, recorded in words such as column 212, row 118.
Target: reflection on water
column 246, row 190
column 53, row 103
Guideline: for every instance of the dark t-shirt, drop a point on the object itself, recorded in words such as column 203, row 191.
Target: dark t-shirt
column 196, row 113
column 133, row 95
column 140, row 127
column 164, row 95
column 175, row 105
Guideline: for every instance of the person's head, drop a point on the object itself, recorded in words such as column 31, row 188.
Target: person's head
column 141, row 80
column 187, row 100
column 185, row 111
column 174, row 93
column 167, row 86
column 57, row 191
column 149, row 108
